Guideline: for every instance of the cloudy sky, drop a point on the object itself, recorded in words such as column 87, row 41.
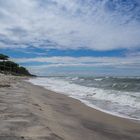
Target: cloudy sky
column 97, row 37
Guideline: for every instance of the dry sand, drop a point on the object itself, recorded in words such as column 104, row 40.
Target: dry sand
column 29, row 112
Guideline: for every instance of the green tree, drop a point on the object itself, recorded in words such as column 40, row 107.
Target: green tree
column 23, row 71
column 3, row 58
column 11, row 67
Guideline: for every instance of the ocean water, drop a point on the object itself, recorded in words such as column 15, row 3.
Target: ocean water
column 116, row 95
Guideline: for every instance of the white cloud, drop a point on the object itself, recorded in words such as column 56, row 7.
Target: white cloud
column 70, row 24
column 72, row 65
column 84, row 61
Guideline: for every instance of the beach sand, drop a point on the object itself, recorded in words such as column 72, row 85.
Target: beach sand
column 29, row 112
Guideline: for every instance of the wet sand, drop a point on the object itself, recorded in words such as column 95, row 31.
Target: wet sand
column 29, row 112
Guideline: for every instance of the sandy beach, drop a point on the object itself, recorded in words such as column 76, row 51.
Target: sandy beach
column 29, row 112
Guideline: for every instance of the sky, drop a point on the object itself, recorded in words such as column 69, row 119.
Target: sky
column 86, row 37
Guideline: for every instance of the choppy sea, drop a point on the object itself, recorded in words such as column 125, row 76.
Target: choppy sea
column 115, row 95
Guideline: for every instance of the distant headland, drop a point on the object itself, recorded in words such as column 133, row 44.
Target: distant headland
column 9, row 67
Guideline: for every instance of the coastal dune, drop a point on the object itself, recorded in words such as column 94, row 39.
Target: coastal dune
column 32, row 112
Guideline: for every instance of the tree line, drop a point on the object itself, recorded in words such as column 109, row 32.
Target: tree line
column 9, row 67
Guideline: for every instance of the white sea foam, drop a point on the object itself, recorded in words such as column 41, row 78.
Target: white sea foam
column 98, row 79
column 75, row 78
column 84, row 93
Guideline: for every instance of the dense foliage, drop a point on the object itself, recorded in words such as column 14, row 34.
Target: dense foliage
column 10, row 67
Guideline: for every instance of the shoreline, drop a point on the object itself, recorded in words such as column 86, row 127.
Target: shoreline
column 107, row 112
column 31, row 112
column 91, row 105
